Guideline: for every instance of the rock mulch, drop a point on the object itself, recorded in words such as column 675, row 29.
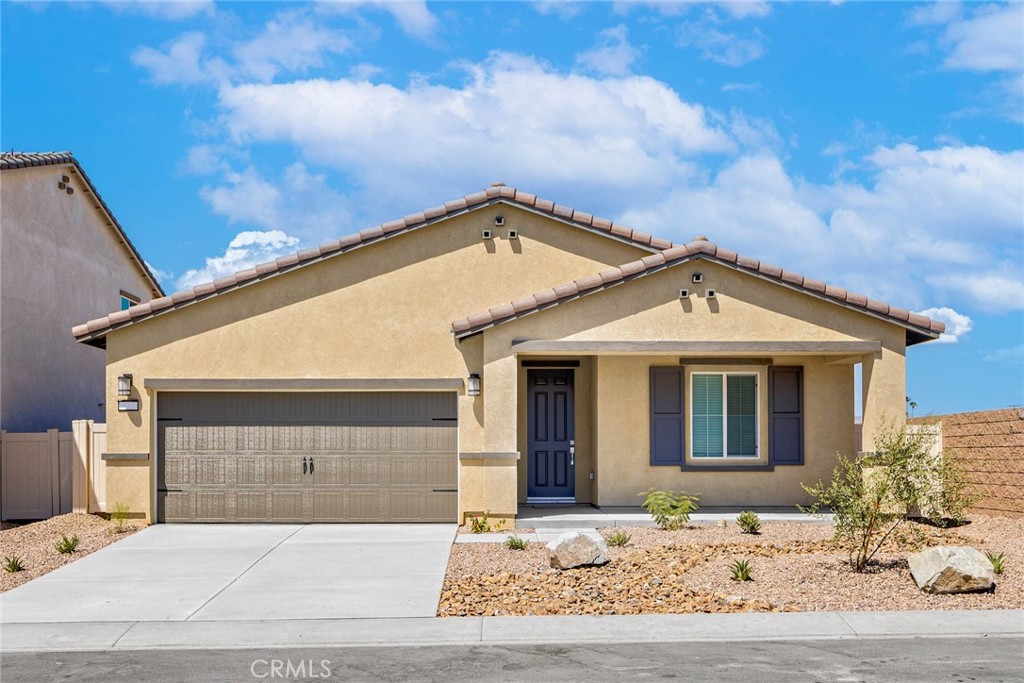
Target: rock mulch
column 796, row 567
column 34, row 544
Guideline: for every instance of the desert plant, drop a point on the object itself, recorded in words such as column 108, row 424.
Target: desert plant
column 479, row 525
column 740, row 570
column 515, row 543
column 66, row 545
column 749, row 522
column 905, row 476
column 12, row 564
column 120, row 516
column 669, row 510
column 997, row 560
column 619, row 539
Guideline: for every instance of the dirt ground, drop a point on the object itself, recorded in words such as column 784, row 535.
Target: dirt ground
column 795, row 567
column 34, row 544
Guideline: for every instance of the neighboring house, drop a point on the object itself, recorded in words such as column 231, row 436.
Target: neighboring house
column 490, row 352
column 63, row 258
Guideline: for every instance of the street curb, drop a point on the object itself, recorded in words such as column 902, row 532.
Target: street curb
column 475, row 631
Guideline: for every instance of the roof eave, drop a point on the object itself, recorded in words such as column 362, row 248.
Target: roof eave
column 915, row 334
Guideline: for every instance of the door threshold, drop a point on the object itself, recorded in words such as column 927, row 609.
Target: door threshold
column 550, row 501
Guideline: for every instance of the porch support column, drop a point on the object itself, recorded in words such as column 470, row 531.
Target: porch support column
column 884, row 392
column 488, row 481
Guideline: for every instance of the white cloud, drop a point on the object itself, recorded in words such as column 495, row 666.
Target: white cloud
column 957, row 324
column 246, row 250
column 164, row 9
column 995, row 292
column 164, row 277
column 728, row 49
column 738, row 9
column 613, row 55
column 1013, row 354
column 741, row 9
column 991, row 40
column 740, row 87
column 513, row 119
column 299, row 201
column 181, row 61
column 939, row 223
column 291, row 42
column 288, row 43
column 563, row 9
column 412, row 16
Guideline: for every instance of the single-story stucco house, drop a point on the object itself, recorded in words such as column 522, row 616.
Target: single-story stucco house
column 491, row 352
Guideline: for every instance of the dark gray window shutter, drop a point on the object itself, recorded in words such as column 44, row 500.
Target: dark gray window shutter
column 786, row 415
column 667, row 424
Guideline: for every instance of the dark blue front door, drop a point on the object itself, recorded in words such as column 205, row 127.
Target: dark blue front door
column 551, row 461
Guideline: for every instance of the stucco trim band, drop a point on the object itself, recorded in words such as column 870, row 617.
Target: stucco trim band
column 823, row 348
column 125, row 456
column 489, row 456
column 306, row 384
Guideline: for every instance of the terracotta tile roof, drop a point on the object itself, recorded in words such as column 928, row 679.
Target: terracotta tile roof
column 15, row 160
column 919, row 328
column 94, row 331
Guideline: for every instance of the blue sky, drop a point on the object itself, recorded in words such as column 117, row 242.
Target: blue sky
column 876, row 145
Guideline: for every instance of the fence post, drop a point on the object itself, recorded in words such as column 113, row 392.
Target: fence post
column 53, row 447
column 3, row 473
column 79, row 465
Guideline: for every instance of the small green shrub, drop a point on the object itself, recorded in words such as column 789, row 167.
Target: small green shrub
column 515, row 543
column 12, row 564
column 479, row 525
column 619, row 539
column 669, row 510
column 870, row 496
column 66, row 545
column 749, row 522
column 120, row 517
column 740, row 570
column 997, row 560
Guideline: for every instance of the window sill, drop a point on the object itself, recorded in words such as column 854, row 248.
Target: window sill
column 753, row 467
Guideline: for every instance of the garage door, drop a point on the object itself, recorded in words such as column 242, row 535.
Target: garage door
column 307, row 457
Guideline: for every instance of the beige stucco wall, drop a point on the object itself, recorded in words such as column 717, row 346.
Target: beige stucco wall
column 60, row 265
column 383, row 311
column 746, row 309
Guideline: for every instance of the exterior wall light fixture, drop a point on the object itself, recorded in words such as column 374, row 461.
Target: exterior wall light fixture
column 124, row 385
column 473, row 385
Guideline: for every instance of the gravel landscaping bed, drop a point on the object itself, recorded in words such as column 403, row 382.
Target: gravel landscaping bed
column 34, row 544
column 795, row 567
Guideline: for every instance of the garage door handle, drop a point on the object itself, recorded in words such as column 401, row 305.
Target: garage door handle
column 311, row 465
column 304, row 466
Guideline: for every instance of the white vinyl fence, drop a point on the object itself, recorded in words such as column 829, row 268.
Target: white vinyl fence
column 50, row 473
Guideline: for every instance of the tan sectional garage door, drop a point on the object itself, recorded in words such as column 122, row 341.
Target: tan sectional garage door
column 307, row 457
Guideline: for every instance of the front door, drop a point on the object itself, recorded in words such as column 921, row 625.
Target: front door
column 551, row 461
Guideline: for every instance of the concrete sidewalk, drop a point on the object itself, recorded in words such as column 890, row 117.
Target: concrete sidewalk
column 217, row 635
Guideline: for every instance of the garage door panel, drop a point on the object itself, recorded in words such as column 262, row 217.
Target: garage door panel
column 239, row 457
column 210, row 506
column 252, row 506
column 286, row 506
column 251, row 471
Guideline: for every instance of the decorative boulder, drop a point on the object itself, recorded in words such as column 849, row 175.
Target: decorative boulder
column 573, row 549
column 951, row 569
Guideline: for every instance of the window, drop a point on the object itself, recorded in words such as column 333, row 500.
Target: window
column 128, row 300
column 723, row 415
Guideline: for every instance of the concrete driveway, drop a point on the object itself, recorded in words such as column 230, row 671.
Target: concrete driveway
column 245, row 572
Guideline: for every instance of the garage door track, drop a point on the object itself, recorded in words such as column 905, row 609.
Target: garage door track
column 245, row 572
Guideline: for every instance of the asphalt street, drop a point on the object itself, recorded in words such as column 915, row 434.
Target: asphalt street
column 881, row 660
